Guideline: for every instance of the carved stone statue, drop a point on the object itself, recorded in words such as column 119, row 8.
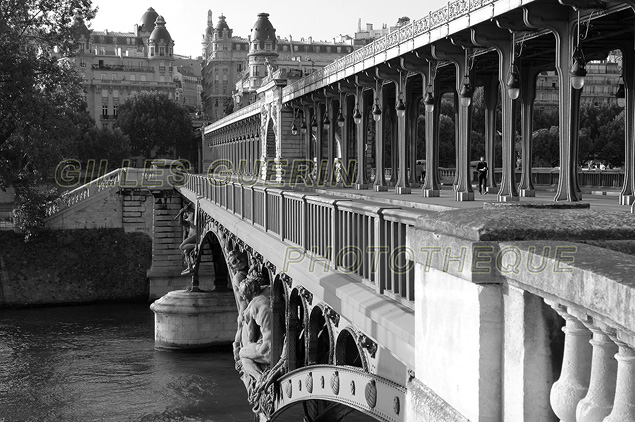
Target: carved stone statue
column 237, row 262
column 188, row 245
column 255, row 333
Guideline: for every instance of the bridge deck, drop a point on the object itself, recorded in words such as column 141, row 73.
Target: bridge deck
column 598, row 199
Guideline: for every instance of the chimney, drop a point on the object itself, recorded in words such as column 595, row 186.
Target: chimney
column 369, row 27
column 310, row 40
column 359, row 25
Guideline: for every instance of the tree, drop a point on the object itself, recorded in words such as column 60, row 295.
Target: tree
column 404, row 20
column 154, row 123
column 546, row 147
column 40, row 91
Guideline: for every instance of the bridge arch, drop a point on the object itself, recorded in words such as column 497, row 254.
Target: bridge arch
column 296, row 330
column 320, row 350
column 210, row 246
column 347, row 351
column 278, row 316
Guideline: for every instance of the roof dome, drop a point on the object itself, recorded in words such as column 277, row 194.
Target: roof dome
column 221, row 24
column 146, row 24
column 160, row 33
column 263, row 29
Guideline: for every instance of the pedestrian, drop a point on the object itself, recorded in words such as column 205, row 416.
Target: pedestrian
column 482, row 168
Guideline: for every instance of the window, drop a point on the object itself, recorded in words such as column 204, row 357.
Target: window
column 161, row 51
column 239, row 68
column 103, row 76
column 115, row 93
column 113, row 77
column 151, row 51
column 104, row 93
column 114, row 110
column 104, row 110
column 339, row 49
column 161, row 65
column 143, row 78
column 133, row 77
column 82, row 63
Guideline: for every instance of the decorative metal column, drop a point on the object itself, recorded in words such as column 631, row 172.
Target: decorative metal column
column 558, row 20
column 457, row 55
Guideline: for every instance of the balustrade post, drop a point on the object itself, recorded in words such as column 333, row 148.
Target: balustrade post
column 598, row 402
column 624, row 404
column 265, row 212
column 281, row 217
column 573, row 384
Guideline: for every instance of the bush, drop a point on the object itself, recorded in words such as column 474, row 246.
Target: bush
column 31, row 212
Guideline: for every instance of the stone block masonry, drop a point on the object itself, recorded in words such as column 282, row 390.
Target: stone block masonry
column 130, row 209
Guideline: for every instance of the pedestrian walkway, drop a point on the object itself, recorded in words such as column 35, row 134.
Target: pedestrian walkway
column 597, row 199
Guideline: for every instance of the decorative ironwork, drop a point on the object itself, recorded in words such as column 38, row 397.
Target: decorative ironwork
column 370, row 393
column 365, row 342
column 307, row 295
column 270, row 266
column 332, row 315
column 286, row 279
column 335, row 383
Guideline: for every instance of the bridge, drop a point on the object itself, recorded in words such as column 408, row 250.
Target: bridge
column 364, row 295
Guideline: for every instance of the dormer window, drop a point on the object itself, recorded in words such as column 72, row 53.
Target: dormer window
column 161, row 51
column 151, row 51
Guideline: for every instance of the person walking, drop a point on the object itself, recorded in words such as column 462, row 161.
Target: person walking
column 481, row 167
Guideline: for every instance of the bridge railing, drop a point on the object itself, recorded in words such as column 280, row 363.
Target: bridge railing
column 360, row 238
column 453, row 10
column 84, row 192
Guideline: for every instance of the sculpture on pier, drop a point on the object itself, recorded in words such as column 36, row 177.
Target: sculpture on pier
column 255, row 330
column 187, row 219
column 237, row 262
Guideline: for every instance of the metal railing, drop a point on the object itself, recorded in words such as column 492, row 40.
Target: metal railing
column 360, row 238
column 443, row 16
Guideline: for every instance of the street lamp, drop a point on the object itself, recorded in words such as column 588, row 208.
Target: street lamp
column 578, row 67
column 428, row 99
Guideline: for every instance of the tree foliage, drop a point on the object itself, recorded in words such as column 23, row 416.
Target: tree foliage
column 154, row 123
column 40, row 91
column 404, row 20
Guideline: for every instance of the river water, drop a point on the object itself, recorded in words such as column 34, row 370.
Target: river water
column 98, row 363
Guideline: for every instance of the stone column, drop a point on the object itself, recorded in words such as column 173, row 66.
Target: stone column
column 573, row 384
column 598, row 402
column 624, row 404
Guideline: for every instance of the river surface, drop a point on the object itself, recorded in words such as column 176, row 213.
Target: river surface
column 98, row 363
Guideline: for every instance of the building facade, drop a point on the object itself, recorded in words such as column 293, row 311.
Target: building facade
column 234, row 67
column 117, row 65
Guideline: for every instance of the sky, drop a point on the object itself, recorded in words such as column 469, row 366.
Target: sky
column 323, row 20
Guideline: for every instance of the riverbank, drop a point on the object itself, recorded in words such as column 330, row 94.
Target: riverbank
column 74, row 267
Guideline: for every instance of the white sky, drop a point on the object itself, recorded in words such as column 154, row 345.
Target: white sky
column 323, row 20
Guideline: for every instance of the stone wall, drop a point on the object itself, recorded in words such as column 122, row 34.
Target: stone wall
column 130, row 209
column 74, row 266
